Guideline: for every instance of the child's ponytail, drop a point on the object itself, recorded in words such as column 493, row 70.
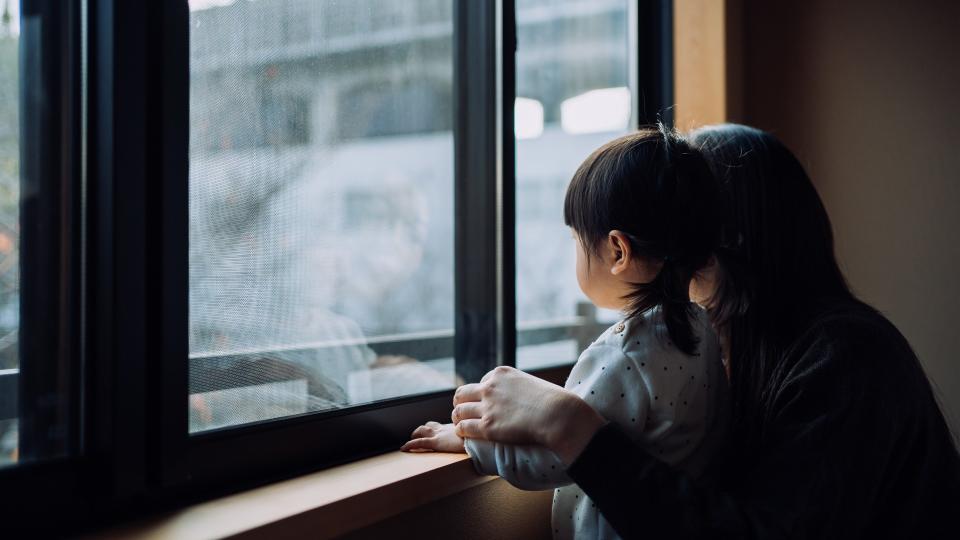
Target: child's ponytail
column 658, row 190
column 669, row 292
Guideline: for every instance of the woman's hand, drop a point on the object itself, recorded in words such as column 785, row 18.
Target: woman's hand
column 436, row 437
column 513, row 407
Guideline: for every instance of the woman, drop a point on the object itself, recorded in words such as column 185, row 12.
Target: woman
column 836, row 429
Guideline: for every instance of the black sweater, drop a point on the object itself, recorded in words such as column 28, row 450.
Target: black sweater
column 851, row 444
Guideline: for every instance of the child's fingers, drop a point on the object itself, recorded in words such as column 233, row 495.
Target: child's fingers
column 422, row 431
column 423, row 443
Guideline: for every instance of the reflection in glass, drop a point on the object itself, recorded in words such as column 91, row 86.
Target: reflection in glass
column 321, row 205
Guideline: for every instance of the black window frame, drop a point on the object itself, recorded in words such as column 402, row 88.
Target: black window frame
column 46, row 388
column 121, row 171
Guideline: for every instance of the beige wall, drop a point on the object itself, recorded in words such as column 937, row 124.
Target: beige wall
column 700, row 53
column 708, row 61
column 867, row 93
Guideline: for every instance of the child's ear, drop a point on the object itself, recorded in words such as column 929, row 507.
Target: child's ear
column 620, row 252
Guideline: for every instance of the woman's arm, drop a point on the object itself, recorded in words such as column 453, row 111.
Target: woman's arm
column 513, row 407
column 843, row 428
column 637, row 494
column 608, row 384
column 643, row 497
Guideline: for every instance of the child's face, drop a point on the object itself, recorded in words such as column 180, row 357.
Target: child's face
column 704, row 284
column 606, row 277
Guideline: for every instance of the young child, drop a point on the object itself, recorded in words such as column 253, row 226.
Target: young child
column 642, row 212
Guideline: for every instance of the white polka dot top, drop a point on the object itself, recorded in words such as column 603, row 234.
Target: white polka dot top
column 673, row 404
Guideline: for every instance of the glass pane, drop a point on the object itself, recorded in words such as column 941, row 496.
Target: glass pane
column 573, row 94
column 9, row 228
column 321, row 205
column 38, row 202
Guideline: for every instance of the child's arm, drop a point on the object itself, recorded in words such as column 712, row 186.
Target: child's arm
column 604, row 377
column 533, row 468
column 607, row 379
column 526, row 467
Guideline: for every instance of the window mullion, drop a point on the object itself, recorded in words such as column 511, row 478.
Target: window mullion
column 652, row 34
column 138, row 242
column 507, row 216
column 479, row 186
column 117, row 421
column 48, row 211
column 171, row 31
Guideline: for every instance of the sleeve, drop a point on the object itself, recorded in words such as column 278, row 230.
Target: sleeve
column 605, row 378
column 533, row 468
column 814, row 474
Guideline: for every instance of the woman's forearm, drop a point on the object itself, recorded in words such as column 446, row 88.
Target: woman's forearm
column 572, row 427
column 513, row 407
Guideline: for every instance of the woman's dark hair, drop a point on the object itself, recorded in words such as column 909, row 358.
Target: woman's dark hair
column 656, row 189
column 776, row 263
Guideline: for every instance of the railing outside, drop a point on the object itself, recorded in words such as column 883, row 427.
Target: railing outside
column 221, row 372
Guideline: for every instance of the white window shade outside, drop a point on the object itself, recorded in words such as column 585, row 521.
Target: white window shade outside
column 596, row 111
column 527, row 118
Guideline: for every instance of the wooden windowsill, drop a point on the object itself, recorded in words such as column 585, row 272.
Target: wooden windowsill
column 327, row 503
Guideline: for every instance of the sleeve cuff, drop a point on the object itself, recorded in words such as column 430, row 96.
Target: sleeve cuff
column 481, row 453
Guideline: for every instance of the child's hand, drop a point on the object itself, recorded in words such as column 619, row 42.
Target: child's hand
column 436, row 437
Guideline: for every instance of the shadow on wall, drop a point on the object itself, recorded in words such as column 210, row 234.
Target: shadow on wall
column 865, row 94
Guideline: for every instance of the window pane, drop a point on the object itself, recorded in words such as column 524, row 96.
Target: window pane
column 573, row 94
column 321, row 205
column 39, row 274
column 9, row 229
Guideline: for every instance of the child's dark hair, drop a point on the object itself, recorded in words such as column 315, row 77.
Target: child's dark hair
column 656, row 189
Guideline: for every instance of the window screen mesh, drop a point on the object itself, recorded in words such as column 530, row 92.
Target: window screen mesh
column 321, row 205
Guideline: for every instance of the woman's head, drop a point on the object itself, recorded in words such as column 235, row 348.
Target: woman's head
column 776, row 246
column 643, row 209
column 775, row 264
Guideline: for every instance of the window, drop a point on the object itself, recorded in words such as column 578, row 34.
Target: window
column 37, row 253
column 321, row 206
column 9, row 231
column 243, row 239
column 574, row 92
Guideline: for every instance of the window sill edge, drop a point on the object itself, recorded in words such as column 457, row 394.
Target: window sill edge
column 328, row 503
